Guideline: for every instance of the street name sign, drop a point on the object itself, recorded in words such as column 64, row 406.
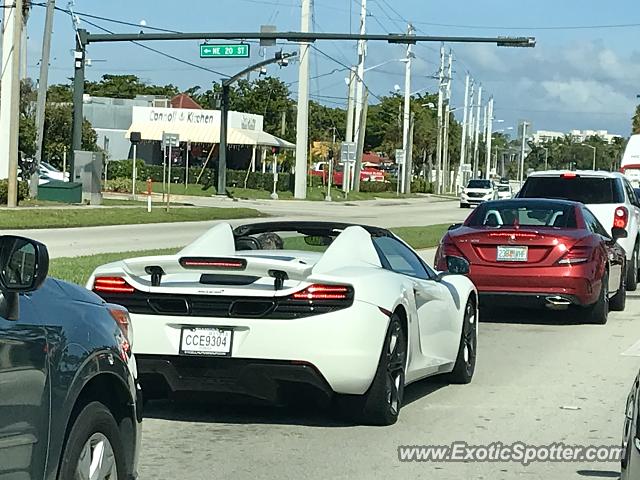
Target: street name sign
column 224, row 51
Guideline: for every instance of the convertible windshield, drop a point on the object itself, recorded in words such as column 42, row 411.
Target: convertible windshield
column 518, row 213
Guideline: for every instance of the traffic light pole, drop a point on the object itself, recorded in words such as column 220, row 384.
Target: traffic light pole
column 85, row 38
column 224, row 114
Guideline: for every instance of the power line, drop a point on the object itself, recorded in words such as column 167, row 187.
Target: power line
column 555, row 27
column 347, row 67
column 114, row 20
column 151, row 49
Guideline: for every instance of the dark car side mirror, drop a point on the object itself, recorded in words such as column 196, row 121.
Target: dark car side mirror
column 618, row 233
column 454, row 226
column 24, row 265
column 456, row 266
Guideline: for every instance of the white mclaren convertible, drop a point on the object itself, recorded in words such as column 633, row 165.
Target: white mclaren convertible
column 347, row 312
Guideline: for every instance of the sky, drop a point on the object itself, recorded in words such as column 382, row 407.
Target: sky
column 583, row 74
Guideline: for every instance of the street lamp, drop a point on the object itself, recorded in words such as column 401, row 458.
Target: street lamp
column 546, row 157
column 594, row 153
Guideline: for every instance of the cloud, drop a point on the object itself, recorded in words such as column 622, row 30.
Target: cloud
column 582, row 85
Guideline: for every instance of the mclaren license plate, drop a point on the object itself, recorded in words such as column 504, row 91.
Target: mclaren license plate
column 206, row 341
column 512, row 254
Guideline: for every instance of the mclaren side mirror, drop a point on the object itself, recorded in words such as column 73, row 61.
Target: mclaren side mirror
column 24, row 265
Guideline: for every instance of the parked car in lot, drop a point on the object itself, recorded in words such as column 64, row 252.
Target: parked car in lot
column 541, row 252
column 505, row 192
column 69, row 400
column 49, row 171
column 267, row 308
column 609, row 196
column 367, row 173
column 478, row 191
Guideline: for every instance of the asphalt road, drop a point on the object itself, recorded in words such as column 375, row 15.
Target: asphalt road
column 69, row 242
column 540, row 379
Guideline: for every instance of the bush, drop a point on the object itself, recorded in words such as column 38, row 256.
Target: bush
column 23, row 191
column 420, row 185
column 124, row 169
column 376, row 187
column 122, row 185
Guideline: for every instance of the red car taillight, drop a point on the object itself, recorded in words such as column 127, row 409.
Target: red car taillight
column 325, row 292
column 450, row 249
column 446, row 249
column 124, row 323
column 206, row 262
column 576, row 255
column 621, row 217
column 112, row 285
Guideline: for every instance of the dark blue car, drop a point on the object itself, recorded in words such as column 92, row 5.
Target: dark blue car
column 70, row 405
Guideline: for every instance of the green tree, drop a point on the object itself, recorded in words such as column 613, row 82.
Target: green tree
column 635, row 129
column 57, row 133
column 60, row 93
column 27, row 126
column 126, row 86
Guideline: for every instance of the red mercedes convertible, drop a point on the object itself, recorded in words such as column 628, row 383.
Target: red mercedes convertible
column 528, row 252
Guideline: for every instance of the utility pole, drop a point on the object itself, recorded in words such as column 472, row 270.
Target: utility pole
column 406, row 114
column 524, row 139
column 447, row 116
column 362, row 53
column 360, row 145
column 476, row 142
column 43, row 83
column 408, row 158
column 471, row 128
column 489, row 136
column 10, row 97
column 348, row 137
column 439, row 176
column 78, row 94
column 302, row 124
column 465, row 119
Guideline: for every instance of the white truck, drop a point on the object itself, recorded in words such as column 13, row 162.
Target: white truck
column 630, row 165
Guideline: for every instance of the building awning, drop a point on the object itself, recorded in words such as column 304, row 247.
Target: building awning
column 207, row 133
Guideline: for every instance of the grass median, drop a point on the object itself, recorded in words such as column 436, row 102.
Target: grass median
column 313, row 193
column 78, row 269
column 94, row 217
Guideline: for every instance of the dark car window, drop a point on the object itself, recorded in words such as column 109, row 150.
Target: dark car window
column 399, row 258
column 479, row 184
column 593, row 224
column 630, row 193
column 522, row 213
column 589, row 190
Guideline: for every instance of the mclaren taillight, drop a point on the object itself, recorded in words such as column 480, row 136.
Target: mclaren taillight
column 112, row 285
column 576, row 255
column 215, row 263
column 621, row 217
column 316, row 299
column 325, row 292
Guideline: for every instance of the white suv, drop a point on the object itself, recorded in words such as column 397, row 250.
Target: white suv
column 608, row 195
column 478, row 191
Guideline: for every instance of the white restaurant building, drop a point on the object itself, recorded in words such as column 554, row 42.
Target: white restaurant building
column 199, row 134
